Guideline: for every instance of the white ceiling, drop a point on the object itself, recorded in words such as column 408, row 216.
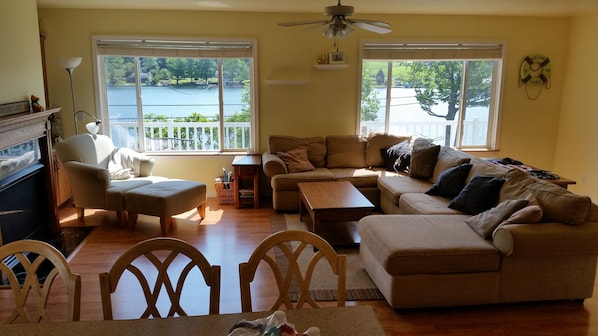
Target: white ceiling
column 468, row 7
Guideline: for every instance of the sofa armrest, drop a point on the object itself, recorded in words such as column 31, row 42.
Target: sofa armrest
column 140, row 164
column 273, row 165
column 546, row 239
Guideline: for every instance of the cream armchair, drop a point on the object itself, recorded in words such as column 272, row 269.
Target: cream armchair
column 100, row 173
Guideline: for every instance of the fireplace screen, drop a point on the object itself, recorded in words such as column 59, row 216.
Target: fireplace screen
column 19, row 157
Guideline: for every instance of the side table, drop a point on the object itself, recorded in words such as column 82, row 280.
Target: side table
column 246, row 172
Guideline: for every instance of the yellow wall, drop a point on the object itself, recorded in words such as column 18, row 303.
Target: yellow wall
column 328, row 104
column 577, row 138
column 20, row 57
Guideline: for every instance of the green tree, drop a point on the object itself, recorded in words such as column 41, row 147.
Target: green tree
column 441, row 81
column 369, row 98
column 178, row 68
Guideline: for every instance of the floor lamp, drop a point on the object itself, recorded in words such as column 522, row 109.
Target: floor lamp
column 70, row 64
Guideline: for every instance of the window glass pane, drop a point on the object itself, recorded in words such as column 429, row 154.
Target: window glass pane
column 121, row 100
column 237, row 103
column 478, row 88
column 373, row 97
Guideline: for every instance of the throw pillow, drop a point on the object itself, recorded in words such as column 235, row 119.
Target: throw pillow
column 532, row 213
column 400, row 152
column 485, row 222
column 296, row 160
column 423, row 158
column 479, row 195
column 451, row 181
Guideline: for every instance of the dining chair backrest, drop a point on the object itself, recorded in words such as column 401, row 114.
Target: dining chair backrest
column 291, row 245
column 162, row 254
column 23, row 266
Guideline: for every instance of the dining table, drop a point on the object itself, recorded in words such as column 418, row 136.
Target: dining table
column 331, row 321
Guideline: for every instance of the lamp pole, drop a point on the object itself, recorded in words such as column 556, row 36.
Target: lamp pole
column 70, row 64
column 70, row 71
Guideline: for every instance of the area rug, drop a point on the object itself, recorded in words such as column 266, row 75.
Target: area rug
column 359, row 285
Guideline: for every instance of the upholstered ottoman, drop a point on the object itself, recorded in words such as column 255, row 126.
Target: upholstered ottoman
column 165, row 199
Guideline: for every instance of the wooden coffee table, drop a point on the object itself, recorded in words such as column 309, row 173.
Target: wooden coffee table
column 337, row 201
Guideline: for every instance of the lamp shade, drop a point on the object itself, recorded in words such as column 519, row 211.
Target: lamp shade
column 93, row 127
column 70, row 62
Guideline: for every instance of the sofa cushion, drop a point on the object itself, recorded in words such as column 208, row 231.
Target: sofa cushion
column 316, row 147
column 479, row 195
column 346, row 151
column 399, row 185
column 359, row 177
column 448, row 157
column 406, row 244
column 296, row 160
column 288, row 182
column 485, row 168
column 423, row 204
column 558, row 204
column 451, row 181
column 484, row 223
column 423, row 158
column 375, row 142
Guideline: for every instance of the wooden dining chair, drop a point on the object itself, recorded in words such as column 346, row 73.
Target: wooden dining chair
column 152, row 250
column 291, row 244
column 30, row 258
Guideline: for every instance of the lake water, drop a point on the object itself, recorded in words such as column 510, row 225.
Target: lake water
column 175, row 102
column 172, row 101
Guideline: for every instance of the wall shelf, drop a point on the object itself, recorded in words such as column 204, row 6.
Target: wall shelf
column 331, row 66
column 287, row 81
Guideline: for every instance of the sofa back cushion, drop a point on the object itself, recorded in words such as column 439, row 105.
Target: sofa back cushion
column 346, row 151
column 486, row 168
column 558, row 204
column 316, row 147
column 376, row 142
column 448, row 157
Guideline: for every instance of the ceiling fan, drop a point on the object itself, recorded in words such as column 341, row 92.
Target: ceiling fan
column 339, row 26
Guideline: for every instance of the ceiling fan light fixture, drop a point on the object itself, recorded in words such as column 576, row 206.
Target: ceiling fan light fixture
column 337, row 29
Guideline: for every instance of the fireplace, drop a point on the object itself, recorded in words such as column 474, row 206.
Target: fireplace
column 27, row 205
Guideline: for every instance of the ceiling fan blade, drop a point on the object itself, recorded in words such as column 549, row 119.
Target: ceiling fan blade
column 299, row 23
column 370, row 25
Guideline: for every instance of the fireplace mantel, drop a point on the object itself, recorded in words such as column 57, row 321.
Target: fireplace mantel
column 19, row 128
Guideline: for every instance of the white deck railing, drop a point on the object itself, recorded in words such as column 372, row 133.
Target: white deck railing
column 203, row 136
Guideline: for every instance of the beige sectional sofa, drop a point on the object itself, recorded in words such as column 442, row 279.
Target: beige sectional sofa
column 424, row 253
column 334, row 158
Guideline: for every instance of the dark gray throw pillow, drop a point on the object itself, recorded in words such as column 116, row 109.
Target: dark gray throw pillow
column 479, row 195
column 451, row 181
column 423, row 158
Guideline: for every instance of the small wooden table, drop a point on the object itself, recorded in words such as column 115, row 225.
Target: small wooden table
column 335, row 321
column 337, row 201
column 246, row 170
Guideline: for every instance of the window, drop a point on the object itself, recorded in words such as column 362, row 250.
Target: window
column 177, row 95
column 447, row 92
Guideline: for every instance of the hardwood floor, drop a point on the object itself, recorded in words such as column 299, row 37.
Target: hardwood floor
column 227, row 236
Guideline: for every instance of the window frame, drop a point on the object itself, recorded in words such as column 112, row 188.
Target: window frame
column 186, row 46
column 384, row 50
